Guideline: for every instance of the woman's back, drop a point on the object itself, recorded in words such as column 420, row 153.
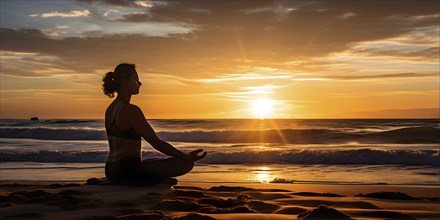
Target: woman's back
column 124, row 141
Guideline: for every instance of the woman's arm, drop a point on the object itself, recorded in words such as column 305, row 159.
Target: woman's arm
column 137, row 120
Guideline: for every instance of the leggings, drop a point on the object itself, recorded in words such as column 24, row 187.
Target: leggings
column 128, row 169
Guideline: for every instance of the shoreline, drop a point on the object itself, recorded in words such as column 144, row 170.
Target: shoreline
column 346, row 189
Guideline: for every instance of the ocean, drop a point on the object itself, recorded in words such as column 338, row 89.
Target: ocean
column 328, row 151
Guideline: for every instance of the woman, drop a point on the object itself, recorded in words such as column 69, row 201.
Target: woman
column 125, row 125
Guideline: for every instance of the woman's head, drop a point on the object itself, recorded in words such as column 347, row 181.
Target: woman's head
column 124, row 75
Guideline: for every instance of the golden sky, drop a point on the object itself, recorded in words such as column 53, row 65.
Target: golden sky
column 223, row 59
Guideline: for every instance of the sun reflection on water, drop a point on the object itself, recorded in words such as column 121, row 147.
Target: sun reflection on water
column 262, row 175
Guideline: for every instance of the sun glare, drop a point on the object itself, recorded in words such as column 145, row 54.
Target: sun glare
column 262, row 108
column 262, row 175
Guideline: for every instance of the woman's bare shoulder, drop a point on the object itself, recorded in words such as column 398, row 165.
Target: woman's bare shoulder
column 132, row 110
column 133, row 107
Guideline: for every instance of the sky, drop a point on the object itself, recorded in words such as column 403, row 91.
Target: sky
column 223, row 59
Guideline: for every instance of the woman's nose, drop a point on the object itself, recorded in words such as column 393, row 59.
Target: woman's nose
column 139, row 82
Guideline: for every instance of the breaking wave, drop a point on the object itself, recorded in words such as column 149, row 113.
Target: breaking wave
column 406, row 135
column 336, row 157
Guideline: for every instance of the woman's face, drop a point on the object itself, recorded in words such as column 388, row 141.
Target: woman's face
column 134, row 84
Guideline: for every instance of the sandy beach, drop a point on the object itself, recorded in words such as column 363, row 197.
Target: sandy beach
column 198, row 200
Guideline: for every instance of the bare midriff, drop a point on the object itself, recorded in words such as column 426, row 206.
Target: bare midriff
column 121, row 148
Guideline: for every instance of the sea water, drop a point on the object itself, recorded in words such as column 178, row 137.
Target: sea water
column 351, row 151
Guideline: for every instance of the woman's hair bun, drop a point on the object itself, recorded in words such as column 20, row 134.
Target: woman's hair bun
column 109, row 86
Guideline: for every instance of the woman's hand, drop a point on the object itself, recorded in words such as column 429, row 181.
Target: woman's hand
column 194, row 155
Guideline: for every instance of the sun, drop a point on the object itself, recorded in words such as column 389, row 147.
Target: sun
column 262, row 108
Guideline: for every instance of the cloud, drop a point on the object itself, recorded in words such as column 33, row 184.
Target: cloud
column 398, row 113
column 380, row 76
column 126, row 3
column 144, row 4
column 30, row 65
column 346, row 15
column 74, row 13
column 224, row 37
column 415, row 18
column 424, row 55
column 247, row 77
column 122, row 3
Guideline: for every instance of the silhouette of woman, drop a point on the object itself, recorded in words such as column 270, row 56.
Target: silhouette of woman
column 125, row 125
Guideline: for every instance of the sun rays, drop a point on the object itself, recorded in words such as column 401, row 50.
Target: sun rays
column 263, row 108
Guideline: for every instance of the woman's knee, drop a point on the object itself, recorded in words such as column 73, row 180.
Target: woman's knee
column 170, row 167
column 186, row 166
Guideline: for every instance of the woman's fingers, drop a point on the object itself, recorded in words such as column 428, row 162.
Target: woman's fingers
column 197, row 151
column 203, row 155
column 195, row 154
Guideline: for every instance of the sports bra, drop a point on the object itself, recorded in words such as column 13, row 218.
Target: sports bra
column 115, row 132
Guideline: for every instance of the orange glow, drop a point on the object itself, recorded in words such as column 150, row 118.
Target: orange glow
column 262, row 108
column 228, row 60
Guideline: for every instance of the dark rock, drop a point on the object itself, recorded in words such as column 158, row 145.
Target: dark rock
column 58, row 185
column 291, row 210
column 189, row 187
column 130, row 211
column 239, row 209
column 101, row 218
column 220, row 203
column 24, row 216
column 135, row 183
column 263, row 207
column 37, row 200
column 188, row 193
column 388, row 195
column 152, row 215
column 70, row 192
column 36, row 193
column 317, row 194
column 94, row 181
column 177, row 205
column 6, row 204
column 229, row 189
column 432, row 199
column 73, row 203
column 244, row 197
column 19, row 193
column 53, row 197
column 123, row 203
column 323, row 212
column 49, row 200
column 195, row 216
column 13, row 198
column 16, row 185
column 149, row 198
column 55, row 185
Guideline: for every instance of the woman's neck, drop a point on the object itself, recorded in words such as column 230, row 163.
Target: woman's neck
column 124, row 95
